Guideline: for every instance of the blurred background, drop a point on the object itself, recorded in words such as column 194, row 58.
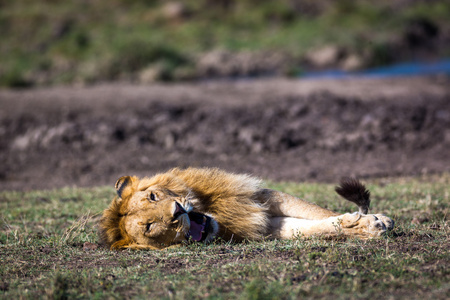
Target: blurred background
column 51, row 42
column 91, row 90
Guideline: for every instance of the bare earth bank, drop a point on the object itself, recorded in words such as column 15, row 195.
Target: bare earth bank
column 279, row 129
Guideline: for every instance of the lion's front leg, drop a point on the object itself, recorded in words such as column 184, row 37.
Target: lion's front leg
column 288, row 227
column 356, row 224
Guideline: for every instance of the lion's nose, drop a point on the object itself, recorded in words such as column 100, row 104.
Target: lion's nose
column 178, row 211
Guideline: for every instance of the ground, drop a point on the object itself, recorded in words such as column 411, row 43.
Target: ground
column 278, row 129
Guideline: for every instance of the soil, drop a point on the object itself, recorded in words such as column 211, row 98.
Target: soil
column 277, row 129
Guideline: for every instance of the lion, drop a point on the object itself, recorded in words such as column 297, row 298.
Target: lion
column 200, row 204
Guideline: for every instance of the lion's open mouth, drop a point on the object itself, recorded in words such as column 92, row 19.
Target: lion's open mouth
column 200, row 226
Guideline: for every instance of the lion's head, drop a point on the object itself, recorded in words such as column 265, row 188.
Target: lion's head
column 153, row 213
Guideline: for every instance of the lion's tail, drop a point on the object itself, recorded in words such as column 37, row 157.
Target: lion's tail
column 353, row 190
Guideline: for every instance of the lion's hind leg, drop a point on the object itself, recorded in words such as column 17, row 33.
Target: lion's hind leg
column 284, row 205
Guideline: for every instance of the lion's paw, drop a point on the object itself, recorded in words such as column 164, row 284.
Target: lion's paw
column 388, row 222
column 364, row 226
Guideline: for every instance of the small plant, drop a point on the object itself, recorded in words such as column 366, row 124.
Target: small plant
column 60, row 287
column 76, row 231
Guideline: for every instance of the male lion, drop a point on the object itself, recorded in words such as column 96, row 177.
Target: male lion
column 179, row 206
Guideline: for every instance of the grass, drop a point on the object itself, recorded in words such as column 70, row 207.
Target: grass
column 42, row 235
column 57, row 42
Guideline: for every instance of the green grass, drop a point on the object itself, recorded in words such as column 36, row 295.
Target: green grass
column 42, row 235
column 54, row 41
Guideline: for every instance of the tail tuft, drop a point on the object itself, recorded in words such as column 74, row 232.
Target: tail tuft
column 354, row 191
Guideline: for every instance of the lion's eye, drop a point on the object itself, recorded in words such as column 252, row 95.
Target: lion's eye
column 151, row 197
column 149, row 225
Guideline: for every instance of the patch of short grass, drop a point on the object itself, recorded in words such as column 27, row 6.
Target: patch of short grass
column 42, row 235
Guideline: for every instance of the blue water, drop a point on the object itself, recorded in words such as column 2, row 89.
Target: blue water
column 402, row 69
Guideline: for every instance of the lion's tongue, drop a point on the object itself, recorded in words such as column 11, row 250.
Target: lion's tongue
column 196, row 231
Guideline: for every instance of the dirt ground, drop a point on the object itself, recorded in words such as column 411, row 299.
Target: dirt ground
column 278, row 129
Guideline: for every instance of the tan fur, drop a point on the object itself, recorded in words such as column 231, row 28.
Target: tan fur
column 156, row 212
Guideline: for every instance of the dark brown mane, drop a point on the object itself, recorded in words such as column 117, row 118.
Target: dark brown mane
column 110, row 230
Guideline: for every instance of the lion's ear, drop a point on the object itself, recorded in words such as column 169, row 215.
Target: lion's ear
column 125, row 186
